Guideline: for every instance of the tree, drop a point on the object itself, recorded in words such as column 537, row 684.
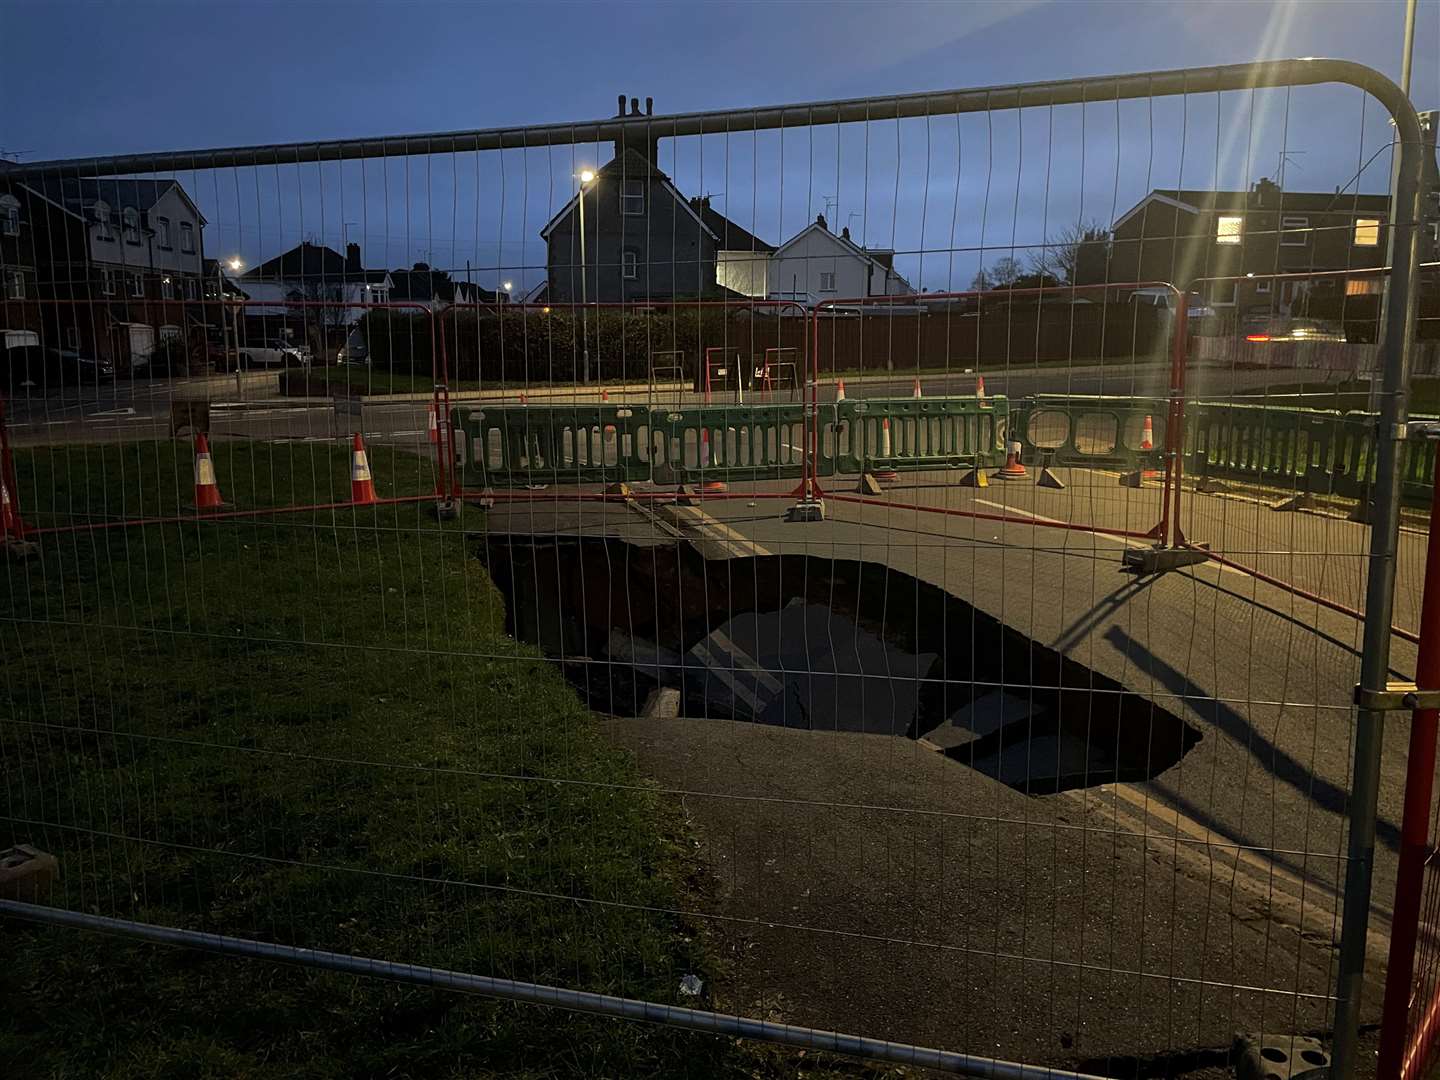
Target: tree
column 1002, row 273
column 1077, row 255
column 319, row 306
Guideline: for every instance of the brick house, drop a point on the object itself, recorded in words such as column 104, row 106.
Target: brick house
column 111, row 267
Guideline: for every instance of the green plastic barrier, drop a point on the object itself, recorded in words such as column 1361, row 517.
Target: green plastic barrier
column 1090, row 430
column 918, row 433
column 734, row 443
column 516, row 445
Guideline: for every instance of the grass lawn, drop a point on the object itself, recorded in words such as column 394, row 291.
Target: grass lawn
column 312, row 729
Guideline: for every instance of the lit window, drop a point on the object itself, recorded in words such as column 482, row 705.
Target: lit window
column 162, row 232
column 1294, row 231
column 1227, row 229
column 632, row 197
column 10, row 215
column 14, row 285
column 1367, row 232
column 107, row 282
column 167, row 289
column 629, row 264
column 1364, row 287
column 827, row 281
column 137, row 285
column 187, row 238
column 131, row 220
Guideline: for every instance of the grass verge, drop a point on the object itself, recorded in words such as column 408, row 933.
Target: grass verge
column 313, row 729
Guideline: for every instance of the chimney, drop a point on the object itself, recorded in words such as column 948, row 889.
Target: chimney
column 845, row 233
column 820, row 220
column 352, row 259
column 642, row 139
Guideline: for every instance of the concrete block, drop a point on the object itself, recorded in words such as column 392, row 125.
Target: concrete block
column 1279, row 1057
column 1156, row 560
column 806, row 510
column 869, row 485
column 1048, row 479
column 974, row 478
column 27, row 874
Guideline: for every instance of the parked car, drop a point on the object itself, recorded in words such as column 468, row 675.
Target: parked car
column 274, row 353
column 355, row 350
column 1263, row 329
column 1200, row 317
column 34, row 368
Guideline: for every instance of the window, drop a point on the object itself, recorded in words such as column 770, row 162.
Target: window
column 629, row 264
column 1222, row 292
column 1294, row 231
column 187, row 238
column 169, row 333
column 72, row 337
column 167, row 289
column 162, row 232
column 212, row 290
column 103, row 231
column 1364, row 287
column 107, row 282
column 827, row 281
column 137, row 284
column 131, row 219
column 1227, row 228
column 632, row 197
column 10, row 215
column 1367, row 232
column 191, row 292
column 14, row 285
column 1262, row 287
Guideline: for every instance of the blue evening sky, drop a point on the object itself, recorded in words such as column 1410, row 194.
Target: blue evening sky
column 102, row 78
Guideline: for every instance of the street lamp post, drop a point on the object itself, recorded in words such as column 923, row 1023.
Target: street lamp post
column 585, row 178
column 235, row 263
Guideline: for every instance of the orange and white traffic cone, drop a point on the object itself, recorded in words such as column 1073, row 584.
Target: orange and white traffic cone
column 523, row 399
column 886, row 452
column 11, row 527
column 915, row 391
column 207, row 490
column 705, row 463
column 980, row 392
column 362, row 484
column 604, row 395
column 434, row 428
column 1147, row 445
column 840, row 390
column 1012, row 469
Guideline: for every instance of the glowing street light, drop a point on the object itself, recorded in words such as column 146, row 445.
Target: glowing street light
column 505, row 285
column 235, row 263
column 586, row 176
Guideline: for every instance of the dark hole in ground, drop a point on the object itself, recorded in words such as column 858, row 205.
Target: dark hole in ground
column 828, row 645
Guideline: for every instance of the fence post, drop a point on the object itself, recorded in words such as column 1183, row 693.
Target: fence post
column 1380, row 587
column 1415, row 825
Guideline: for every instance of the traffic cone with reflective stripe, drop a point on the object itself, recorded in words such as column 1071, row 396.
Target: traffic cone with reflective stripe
column 1147, row 445
column 1012, row 469
column 709, row 485
column 362, row 484
column 915, row 391
column 11, row 527
column 884, row 472
column 980, row 392
column 434, row 428
column 1147, row 435
column 207, row 490
column 840, row 390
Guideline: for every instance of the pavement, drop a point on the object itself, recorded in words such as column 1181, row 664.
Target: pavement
column 866, row 883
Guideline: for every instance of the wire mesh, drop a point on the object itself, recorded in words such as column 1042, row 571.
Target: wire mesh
column 638, row 671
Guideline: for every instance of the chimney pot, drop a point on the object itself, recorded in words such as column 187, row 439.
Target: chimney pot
column 352, row 259
column 820, row 220
column 634, row 106
column 845, row 232
column 649, row 106
column 621, row 110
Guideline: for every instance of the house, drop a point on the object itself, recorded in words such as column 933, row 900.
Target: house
column 435, row 288
column 1245, row 238
column 114, row 265
column 815, row 264
column 313, row 293
column 643, row 239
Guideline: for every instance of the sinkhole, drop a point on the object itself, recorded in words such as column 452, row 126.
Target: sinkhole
column 823, row 644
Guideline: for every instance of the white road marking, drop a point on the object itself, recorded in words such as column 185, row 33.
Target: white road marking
column 1041, row 519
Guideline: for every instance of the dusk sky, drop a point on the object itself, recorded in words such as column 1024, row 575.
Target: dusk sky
column 159, row 76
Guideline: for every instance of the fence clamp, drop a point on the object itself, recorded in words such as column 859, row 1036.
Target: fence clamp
column 1423, row 429
column 1397, row 697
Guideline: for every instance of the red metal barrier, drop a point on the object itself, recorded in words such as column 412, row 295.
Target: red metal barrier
column 1411, row 1018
